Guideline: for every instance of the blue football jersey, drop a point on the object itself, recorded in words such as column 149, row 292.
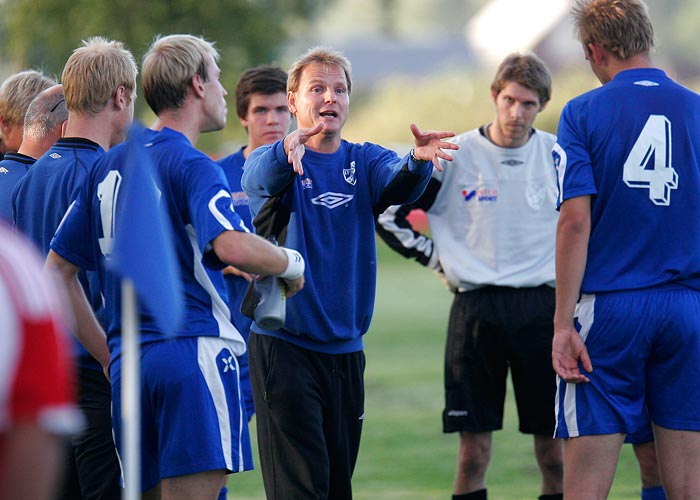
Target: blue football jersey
column 41, row 199
column 633, row 145
column 12, row 168
column 196, row 199
column 232, row 166
column 236, row 286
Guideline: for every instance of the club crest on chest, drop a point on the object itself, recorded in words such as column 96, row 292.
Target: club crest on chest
column 349, row 174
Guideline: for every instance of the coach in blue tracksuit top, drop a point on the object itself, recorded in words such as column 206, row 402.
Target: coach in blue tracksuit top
column 308, row 377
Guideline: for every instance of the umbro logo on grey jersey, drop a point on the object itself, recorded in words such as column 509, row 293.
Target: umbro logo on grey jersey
column 332, row 200
column 512, row 163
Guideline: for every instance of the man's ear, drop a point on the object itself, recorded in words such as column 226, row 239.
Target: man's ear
column 5, row 127
column 291, row 102
column 244, row 123
column 121, row 98
column 597, row 54
column 197, row 85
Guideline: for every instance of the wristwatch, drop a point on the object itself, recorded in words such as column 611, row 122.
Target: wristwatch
column 415, row 158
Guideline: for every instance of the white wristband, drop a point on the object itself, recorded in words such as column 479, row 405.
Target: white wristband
column 295, row 265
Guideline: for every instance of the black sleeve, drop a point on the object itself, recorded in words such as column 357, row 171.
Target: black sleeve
column 396, row 231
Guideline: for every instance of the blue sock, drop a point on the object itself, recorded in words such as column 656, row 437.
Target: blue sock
column 224, row 491
column 654, row 493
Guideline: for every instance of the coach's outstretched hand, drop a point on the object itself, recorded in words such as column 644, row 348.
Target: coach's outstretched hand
column 429, row 145
column 294, row 145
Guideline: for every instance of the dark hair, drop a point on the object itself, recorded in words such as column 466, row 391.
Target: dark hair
column 527, row 70
column 265, row 80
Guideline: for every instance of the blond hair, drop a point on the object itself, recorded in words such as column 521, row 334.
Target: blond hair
column 319, row 55
column 168, row 68
column 94, row 72
column 18, row 91
column 622, row 27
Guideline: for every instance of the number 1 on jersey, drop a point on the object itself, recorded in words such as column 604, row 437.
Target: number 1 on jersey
column 653, row 144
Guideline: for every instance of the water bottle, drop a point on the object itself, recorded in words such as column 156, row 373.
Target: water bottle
column 271, row 294
column 271, row 310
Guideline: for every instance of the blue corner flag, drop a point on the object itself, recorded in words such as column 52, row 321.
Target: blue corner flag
column 143, row 245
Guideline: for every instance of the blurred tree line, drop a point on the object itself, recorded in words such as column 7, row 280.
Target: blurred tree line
column 41, row 34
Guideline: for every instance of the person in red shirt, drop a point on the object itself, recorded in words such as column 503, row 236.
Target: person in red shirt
column 37, row 404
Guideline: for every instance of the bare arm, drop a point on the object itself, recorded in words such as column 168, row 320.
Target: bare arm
column 573, row 232
column 89, row 331
column 254, row 255
column 31, row 461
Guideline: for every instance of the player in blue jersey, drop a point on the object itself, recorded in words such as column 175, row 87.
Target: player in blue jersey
column 16, row 93
column 193, row 425
column 261, row 105
column 99, row 84
column 627, row 321
column 43, row 126
column 308, row 376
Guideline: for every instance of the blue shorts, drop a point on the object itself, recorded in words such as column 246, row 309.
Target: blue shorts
column 641, row 436
column 192, row 419
column 645, row 349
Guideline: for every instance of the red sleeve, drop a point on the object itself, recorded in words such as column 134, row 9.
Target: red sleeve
column 36, row 370
column 43, row 388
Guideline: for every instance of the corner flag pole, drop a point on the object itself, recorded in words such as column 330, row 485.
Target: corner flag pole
column 131, row 393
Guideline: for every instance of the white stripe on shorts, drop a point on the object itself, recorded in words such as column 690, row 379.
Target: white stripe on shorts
column 208, row 348
column 584, row 313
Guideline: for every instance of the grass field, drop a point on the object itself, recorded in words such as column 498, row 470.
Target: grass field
column 404, row 454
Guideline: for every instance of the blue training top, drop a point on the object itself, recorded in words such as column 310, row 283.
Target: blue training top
column 333, row 209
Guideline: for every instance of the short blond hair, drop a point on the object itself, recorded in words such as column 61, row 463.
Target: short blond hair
column 622, row 27
column 94, row 72
column 18, row 91
column 168, row 68
column 320, row 55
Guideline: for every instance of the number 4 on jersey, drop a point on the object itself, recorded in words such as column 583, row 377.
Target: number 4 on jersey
column 653, row 145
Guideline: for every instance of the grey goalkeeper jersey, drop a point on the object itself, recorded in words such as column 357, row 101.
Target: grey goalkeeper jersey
column 492, row 215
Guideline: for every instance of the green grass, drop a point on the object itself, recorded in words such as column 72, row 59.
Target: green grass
column 404, row 454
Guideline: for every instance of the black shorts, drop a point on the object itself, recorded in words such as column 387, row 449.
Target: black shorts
column 492, row 329
column 309, row 412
